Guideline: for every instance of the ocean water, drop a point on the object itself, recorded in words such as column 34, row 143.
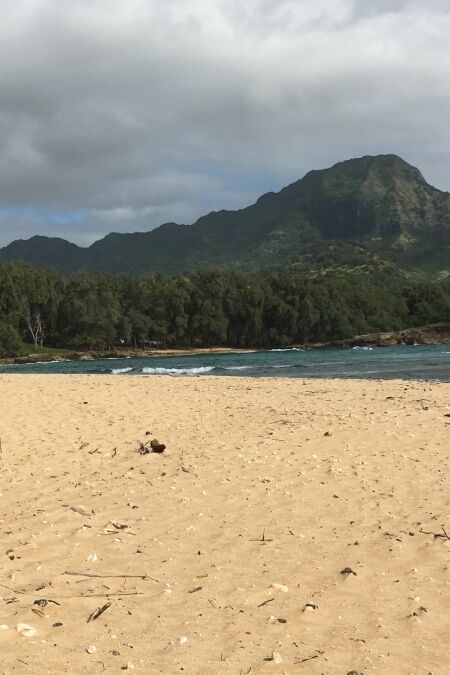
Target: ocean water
column 421, row 362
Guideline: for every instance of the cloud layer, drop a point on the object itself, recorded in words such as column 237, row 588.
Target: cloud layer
column 123, row 114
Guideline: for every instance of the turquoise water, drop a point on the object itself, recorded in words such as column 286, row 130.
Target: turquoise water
column 421, row 362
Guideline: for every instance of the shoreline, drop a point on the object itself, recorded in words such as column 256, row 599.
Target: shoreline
column 425, row 335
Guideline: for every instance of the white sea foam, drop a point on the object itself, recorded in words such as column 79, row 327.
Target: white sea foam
column 38, row 363
column 287, row 349
column 237, row 367
column 365, row 349
column 177, row 371
column 119, row 371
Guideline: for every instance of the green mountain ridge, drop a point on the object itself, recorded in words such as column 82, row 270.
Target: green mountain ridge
column 371, row 212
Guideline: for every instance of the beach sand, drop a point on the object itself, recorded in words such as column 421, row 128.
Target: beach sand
column 225, row 553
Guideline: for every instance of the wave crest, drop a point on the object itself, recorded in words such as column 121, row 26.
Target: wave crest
column 177, row 371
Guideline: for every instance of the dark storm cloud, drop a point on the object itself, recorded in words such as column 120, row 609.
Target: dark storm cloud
column 136, row 112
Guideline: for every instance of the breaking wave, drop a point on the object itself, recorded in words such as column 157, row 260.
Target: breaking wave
column 287, row 349
column 177, row 371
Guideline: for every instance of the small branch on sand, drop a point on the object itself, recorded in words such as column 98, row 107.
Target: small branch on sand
column 438, row 535
column 266, row 602
column 101, row 595
column 111, row 576
column 68, row 597
column 289, row 532
column 263, row 539
column 186, row 470
column 13, row 590
column 309, row 658
column 98, row 612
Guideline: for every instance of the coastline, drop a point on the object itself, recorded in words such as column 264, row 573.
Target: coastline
column 236, row 538
column 426, row 335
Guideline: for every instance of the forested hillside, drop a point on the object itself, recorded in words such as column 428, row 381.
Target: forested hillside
column 207, row 307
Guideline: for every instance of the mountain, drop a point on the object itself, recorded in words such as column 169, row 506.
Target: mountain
column 365, row 212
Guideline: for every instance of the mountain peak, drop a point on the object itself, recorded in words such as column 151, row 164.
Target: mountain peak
column 379, row 203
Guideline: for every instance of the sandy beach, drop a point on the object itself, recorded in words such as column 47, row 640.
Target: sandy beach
column 290, row 526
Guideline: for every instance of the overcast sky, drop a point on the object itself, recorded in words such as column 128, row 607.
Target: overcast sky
column 119, row 115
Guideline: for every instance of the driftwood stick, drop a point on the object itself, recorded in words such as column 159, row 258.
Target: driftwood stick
column 98, row 612
column 68, row 597
column 101, row 595
column 437, row 535
column 308, row 658
column 13, row 590
column 111, row 576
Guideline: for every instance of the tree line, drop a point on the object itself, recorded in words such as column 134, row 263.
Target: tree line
column 209, row 307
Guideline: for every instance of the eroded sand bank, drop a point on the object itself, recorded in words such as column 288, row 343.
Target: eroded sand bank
column 264, row 482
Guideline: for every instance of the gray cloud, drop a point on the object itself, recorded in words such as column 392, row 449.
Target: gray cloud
column 133, row 113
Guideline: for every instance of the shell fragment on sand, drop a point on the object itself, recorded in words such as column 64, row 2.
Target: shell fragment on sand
column 82, row 510
column 280, row 587
column 26, row 630
column 277, row 658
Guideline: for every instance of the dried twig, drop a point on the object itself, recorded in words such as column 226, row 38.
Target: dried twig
column 263, row 539
column 98, row 612
column 98, row 595
column 437, row 535
column 307, row 658
column 196, row 589
column 14, row 590
column 266, row 602
column 67, row 597
column 185, row 469
column 111, row 576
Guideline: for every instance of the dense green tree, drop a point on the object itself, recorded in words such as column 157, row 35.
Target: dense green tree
column 90, row 312
column 207, row 307
column 10, row 342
